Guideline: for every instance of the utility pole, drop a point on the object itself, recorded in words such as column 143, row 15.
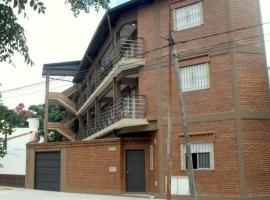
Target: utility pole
column 173, row 53
column 169, row 134
column 184, row 118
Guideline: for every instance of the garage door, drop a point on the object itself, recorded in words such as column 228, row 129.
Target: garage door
column 47, row 171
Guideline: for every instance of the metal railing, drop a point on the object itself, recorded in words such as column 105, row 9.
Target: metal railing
column 83, row 97
column 132, row 107
column 124, row 49
column 127, row 48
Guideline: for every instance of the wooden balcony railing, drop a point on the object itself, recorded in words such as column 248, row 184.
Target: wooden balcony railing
column 132, row 107
column 124, row 49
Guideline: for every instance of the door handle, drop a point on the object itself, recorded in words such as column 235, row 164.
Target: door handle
column 128, row 170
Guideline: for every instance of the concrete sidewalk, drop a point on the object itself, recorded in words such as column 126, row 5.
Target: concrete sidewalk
column 28, row 194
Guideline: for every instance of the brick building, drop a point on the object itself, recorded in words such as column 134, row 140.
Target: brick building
column 116, row 129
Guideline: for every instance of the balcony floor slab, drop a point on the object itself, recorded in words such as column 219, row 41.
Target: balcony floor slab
column 123, row 123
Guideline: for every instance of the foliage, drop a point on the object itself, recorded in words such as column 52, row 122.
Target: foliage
column 12, row 34
column 2, row 150
column 9, row 119
column 84, row 5
column 12, row 37
column 55, row 114
column 23, row 114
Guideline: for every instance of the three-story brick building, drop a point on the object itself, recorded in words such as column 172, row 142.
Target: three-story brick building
column 118, row 107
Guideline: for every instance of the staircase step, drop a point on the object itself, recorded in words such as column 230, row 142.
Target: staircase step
column 64, row 100
column 62, row 130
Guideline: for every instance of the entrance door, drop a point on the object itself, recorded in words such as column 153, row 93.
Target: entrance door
column 135, row 171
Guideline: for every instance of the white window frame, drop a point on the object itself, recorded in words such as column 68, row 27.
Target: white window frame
column 183, row 156
column 191, row 26
column 189, row 89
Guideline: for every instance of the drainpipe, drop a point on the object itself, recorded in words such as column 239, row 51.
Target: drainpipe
column 46, row 106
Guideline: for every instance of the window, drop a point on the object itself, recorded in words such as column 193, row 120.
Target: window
column 195, row 77
column 202, row 156
column 180, row 185
column 188, row 17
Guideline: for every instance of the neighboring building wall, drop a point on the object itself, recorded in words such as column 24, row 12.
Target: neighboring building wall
column 12, row 169
column 16, row 153
column 12, row 165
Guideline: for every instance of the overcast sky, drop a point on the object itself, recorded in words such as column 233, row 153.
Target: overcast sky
column 55, row 37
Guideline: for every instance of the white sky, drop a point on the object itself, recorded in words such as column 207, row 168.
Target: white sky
column 58, row 36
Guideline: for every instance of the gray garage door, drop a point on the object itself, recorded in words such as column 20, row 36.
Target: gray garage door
column 47, row 171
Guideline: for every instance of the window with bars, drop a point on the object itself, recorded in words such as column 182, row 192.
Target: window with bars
column 202, row 156
column 188, row 17
column 195, row 77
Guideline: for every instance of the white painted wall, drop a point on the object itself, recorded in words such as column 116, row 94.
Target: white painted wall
column 15, row 159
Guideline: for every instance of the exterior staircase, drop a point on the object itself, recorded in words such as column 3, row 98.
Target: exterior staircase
column 63, row 100
column 62, row 128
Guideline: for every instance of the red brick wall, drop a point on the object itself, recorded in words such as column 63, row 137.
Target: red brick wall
column 223, row 180
column 87, row 169
column 234, row 72
column 256, row 135
column 85, row 165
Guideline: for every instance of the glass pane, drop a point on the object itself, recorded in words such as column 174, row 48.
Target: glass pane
column 194, row 161
column 204, row 160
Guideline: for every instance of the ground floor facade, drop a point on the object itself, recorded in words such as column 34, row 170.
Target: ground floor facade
column 225, row 168
column 101, row 166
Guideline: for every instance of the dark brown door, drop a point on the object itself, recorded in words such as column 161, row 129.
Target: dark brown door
column 47, row 171
column 135, row 171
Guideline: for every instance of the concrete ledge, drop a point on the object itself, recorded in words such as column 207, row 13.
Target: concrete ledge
column 123, row 123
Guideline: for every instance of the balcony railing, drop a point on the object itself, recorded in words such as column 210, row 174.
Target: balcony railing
column 131, row 107
column 82, row 98
column 124, row 49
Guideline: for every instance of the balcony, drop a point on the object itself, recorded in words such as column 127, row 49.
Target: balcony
column 127, row 54
column 127, row 111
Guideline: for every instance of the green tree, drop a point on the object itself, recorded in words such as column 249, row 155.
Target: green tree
column 9, row 119
column 55, row 114
column 12, row 34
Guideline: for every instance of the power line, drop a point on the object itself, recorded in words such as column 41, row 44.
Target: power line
column 10, row 97
column 193, row 52
column 23, row 87
column 82, row 73
column 39, row 84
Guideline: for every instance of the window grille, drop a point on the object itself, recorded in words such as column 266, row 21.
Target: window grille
column 202, row 156
column 188, row 17
column 195, row 77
